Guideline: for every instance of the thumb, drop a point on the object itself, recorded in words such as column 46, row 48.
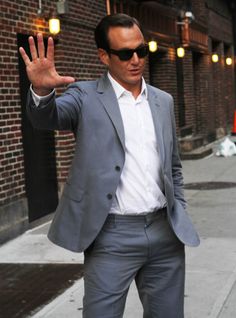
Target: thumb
column 63, row 80
column 67, row 79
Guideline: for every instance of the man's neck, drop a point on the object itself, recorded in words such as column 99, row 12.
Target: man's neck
column 135, row 89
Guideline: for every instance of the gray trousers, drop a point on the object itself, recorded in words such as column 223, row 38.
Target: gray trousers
column 143, row 248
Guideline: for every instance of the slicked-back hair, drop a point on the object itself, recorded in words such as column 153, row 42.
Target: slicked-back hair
column 113, row 20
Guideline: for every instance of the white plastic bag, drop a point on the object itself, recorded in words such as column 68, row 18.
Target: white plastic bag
column 226, row 149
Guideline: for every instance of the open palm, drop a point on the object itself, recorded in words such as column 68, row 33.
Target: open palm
column 41, row 69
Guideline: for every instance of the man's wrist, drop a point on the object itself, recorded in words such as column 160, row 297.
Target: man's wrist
column 37, row 98
column 41, row 92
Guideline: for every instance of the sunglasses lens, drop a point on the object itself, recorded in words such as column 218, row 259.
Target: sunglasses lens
column 125, row 55
column 142, row 51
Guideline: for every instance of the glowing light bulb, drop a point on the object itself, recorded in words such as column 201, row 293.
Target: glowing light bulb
column 229, row 61
column 54, row 26
column 215, row 58
column 152, row 46
column 180, row 52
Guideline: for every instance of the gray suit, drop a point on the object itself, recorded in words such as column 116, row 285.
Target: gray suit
column 90, row 109
column 118, row 249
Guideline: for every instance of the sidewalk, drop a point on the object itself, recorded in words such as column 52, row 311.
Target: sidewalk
column 211, row 268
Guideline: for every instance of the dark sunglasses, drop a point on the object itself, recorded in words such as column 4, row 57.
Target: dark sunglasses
column 127, row 54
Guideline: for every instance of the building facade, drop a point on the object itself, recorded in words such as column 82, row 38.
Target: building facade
column 33, row 163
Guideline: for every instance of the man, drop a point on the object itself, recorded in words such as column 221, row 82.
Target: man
column 123, row 202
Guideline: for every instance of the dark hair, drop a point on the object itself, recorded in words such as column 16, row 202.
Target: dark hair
column 113, row 20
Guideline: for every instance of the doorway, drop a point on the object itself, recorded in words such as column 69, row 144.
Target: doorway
column 39, row 154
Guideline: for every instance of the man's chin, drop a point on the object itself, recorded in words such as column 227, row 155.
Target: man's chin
column 134, row 80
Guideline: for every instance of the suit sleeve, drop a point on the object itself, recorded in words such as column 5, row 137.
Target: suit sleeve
column 177, row 175
column 60, row 113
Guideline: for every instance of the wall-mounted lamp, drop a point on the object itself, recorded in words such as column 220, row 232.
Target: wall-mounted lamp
column 228, row 61
column 215, row 58
column 54, row 25
column 52, row 17
column 184, row 20
column 180, row 52
column 186, row 17
column 152, row 46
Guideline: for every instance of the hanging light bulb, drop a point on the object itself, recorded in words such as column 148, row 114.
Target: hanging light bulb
column 215, row 58
column 152, row 46
column 54, row 25
column 180, row 52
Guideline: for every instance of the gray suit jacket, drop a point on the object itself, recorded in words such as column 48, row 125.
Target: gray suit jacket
column 90, row 109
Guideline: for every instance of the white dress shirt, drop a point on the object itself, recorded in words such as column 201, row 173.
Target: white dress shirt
column 37, row 98
column 140, row 190
column 141, row 185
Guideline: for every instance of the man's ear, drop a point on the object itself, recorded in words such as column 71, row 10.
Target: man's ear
column 103, row 56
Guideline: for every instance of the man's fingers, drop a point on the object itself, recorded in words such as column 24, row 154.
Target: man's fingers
column 24, row 56
column 33, row 50
column 50, row 49
column 48, row 78
column 41, row 48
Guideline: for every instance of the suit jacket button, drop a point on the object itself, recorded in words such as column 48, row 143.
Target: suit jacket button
column 117, row 168
column 109, row 196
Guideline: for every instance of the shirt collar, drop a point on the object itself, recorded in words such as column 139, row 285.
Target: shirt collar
column 120, row 90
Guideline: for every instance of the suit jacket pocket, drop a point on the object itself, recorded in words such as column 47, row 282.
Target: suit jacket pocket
column 73, row 192
column 178, row 206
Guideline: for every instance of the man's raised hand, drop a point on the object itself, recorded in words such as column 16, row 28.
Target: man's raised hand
column 41, row 69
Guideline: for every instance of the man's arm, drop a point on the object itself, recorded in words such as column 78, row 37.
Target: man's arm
column 177, row 175
column 61, row 113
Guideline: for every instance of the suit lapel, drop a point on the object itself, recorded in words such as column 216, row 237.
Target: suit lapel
column 108, row 98
column 158, row 120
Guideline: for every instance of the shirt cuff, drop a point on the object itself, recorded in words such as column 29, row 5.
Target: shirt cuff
column 37, row 99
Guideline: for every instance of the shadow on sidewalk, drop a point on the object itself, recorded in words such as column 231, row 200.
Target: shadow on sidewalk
column 25, row 288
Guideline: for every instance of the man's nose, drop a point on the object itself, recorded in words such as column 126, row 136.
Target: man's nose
column 135, row 58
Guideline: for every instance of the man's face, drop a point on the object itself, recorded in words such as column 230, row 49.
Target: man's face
column 126, row 73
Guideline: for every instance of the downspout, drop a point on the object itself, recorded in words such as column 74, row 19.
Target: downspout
column 108, row 5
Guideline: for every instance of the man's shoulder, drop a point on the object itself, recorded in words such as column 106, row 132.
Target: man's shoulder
column 84, row 85
column 159, row 92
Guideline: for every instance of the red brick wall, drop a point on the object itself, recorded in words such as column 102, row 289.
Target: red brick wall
column 11, row 153
column 229, row 97
column 163, row 73
column 202, row 93
column 189, row 97
column 199, row 9
column 217, row 73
